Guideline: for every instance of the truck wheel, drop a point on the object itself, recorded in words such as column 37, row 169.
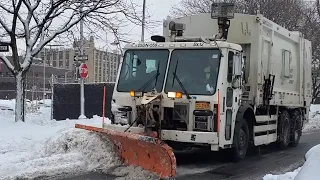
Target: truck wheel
column 284, row 130
column 240, row 140
column 295, row 128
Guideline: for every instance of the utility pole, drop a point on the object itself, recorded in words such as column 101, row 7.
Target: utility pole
column 143, row 20
column 82, row 100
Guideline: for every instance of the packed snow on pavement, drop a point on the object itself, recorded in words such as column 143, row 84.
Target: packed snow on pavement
column 42, row 147
column 309, row 170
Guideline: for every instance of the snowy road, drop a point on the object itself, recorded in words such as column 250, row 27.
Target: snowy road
column 255, row 166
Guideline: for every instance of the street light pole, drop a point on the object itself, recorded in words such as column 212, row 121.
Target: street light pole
column 143, row 20
column 82, row 100
column 44, row 79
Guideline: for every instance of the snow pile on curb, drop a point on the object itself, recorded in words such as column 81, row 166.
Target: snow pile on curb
column 310, row 169
column 286, row 176
column 314, row 119
column 69, row 153
column 41, row 148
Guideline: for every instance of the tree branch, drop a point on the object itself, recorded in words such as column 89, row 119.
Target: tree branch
column 7, row 63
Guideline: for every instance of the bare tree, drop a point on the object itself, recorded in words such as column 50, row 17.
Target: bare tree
column 311, row 31
column 38, row 22
column 286, row 13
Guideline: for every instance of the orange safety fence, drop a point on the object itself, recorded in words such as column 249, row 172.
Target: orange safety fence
column 139, row 150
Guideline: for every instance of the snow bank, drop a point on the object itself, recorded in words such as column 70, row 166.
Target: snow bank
column 314, row 119
column 310, row 169
column 41, row 147
column 286, row 176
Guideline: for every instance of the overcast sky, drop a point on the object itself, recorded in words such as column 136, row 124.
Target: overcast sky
column 160, row 9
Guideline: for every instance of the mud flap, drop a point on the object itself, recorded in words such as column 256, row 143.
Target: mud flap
column 139, row 150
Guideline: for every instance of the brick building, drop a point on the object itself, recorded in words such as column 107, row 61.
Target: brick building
column 102, row 65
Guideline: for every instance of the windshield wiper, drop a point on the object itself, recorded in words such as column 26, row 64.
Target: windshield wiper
column 154, row 77
column 180, row 83
column 158, row 73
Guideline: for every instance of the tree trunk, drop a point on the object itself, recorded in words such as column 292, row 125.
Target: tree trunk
column 20, row 102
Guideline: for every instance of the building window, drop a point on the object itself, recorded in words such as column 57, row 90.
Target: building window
column 54, row 55
column 67, row 63
column 61, row 63
column 67, row 55
column 60, row 55
column 54, row 63
column 48, row 55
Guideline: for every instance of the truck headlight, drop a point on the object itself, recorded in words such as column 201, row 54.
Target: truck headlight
column 136, row 94
column 174, row 95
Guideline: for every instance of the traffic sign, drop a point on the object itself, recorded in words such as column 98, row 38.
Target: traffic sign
column 81, row 58
column 83, row 71
column 4, row 48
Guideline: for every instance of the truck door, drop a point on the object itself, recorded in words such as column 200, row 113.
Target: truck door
column 233, row 92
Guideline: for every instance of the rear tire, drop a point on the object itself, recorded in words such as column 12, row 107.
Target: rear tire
column 284, row 129
column 296, row 130
column 240, row 140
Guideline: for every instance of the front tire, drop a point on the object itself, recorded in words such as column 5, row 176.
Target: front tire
column 240, row 140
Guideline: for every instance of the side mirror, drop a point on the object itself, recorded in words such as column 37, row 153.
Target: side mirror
column 237, row 71
column 237, row 66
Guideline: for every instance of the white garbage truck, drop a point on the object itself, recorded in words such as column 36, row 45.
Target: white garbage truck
column 219, row 80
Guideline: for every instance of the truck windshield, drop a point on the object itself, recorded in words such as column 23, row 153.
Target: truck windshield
column 197, row 69
column 141, row 66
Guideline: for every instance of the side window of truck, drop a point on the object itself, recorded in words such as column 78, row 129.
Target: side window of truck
column 230, row 66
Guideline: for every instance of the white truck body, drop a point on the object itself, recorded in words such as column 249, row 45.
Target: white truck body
column 263, row 43
column 266, row 49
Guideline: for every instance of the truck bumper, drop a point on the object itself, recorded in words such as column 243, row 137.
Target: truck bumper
column 190, row 137
column 210, row 138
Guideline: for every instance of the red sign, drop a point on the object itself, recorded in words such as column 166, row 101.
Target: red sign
column 83, row 71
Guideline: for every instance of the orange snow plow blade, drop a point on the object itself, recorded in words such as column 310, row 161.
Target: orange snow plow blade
column 139, row 150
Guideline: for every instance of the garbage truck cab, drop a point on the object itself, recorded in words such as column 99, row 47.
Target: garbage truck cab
column 182, row 81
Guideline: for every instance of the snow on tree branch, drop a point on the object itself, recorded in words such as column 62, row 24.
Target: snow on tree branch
column 38, row 22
